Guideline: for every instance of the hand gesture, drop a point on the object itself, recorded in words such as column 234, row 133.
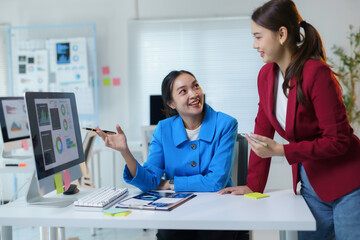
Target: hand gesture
column 272, row 149
column 115, row 141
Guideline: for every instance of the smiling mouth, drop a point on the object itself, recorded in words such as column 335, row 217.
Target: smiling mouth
column 196, row 102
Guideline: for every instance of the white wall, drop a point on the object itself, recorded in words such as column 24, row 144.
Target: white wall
column 330, row 17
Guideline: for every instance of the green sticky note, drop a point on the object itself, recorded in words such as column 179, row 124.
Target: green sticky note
column 58, row 183
column 256, row 195
column 107, row 82
column 116, row 212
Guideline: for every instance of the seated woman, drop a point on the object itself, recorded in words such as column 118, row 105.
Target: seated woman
column 193, row 148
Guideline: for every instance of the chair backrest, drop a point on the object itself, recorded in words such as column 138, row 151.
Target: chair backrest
column 146, row 138
column 240, row 167
column 86, row 180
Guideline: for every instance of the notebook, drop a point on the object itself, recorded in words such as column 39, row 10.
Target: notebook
column 156, row 200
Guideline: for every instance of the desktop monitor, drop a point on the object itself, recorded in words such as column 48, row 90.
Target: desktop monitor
column 156, row 109
column 56, row 139
column 14, row 124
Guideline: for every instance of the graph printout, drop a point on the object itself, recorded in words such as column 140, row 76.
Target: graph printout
column 57, row 134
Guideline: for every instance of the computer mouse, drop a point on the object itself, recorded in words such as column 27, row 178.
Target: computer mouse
column 71, row 190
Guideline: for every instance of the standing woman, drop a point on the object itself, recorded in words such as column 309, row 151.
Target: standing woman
column 193, row 149
column 300, row 98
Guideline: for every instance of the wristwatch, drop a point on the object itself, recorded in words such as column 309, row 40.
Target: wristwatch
column 171, row 183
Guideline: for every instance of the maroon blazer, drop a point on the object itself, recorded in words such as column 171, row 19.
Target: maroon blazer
column 319, row 133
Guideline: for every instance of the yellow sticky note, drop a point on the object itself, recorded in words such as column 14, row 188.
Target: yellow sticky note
column 256, row 195
column 58, row 183
column 107, row 82
column 120, row 214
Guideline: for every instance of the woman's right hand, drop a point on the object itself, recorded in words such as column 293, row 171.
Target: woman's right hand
column 239, row 190
column 115, row 141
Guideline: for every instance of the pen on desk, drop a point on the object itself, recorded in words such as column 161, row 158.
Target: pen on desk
column 15, row 164
column 93, row 130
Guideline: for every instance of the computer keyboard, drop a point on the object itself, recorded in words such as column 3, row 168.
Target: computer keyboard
column 100, row 199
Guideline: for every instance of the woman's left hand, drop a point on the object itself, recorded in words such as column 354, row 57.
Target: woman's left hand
column 272, row 149
column 164, row 185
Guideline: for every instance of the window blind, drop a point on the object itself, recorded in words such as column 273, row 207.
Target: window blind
column 4, row 76
column 217, row 51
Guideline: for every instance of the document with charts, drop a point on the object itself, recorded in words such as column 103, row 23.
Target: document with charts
column 156, row 200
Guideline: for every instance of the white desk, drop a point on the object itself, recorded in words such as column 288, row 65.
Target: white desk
column 30, row 167
column 282, row 211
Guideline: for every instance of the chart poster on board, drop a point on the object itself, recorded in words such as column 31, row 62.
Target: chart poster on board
column 31, row 71
column 68, row 61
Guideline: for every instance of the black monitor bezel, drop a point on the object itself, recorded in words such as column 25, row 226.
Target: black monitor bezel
column 4, row 132
column 35, row 134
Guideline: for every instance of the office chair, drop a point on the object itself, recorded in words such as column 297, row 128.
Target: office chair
column 240, row 167
column 86, row 181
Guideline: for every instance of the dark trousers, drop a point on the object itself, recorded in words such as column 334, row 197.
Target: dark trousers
column 201, row 235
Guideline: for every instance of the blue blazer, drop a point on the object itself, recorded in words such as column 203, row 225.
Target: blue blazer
column 203, row 165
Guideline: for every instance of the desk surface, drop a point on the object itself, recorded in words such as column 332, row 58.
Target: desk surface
column 281, row 211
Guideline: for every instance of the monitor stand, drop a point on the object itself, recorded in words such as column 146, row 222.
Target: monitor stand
column 34, row 197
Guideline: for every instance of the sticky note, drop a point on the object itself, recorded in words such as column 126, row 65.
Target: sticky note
column 66, row 179
column 256, row 195
column 24, row 145
column 116, row 212
column 116, row 81
column 105, row 70
column 58, row 183
column 107, row 82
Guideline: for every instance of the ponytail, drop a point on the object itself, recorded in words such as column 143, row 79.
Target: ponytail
column 311, row 46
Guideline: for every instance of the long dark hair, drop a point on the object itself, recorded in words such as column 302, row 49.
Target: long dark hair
column 278, row 13
column 166, row 89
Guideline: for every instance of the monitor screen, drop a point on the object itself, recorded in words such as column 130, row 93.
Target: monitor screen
column 156, row 109
column 13, row 119
column 14, row 126
column 55, row 134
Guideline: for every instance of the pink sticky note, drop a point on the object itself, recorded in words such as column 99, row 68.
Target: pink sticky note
column 116, row 81
column 66, row 179
column 105, row 70
column 25, row 145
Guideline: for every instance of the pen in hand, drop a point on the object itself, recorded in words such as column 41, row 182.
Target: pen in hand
column 255, row 140
column 94, row 130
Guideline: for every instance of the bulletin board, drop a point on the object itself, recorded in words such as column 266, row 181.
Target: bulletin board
column 56, row 58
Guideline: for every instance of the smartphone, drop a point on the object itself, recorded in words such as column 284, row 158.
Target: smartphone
column 255, row 140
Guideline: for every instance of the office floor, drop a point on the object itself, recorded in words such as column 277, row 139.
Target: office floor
column 21, row 233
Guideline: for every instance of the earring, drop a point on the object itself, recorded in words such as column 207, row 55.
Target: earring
column 281, row 43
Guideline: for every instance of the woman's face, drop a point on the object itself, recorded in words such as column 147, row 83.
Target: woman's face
column 267, row 43
column 187, row 95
